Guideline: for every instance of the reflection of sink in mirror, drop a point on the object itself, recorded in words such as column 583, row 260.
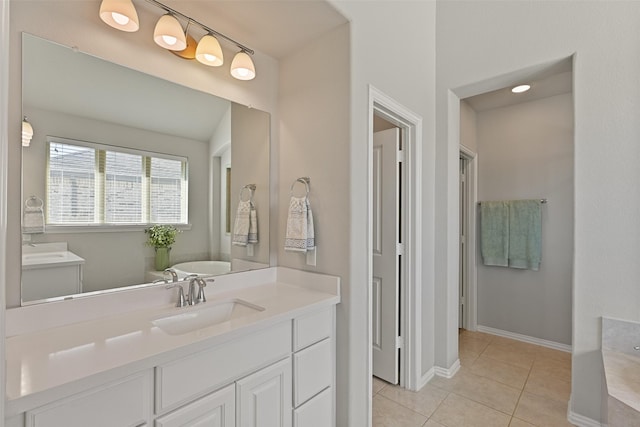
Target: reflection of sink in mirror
column 47, row 255
column 189, row 319
column 202, row 267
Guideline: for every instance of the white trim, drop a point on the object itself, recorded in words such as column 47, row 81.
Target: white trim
column 448, row 372
column 4, row 179
column 471, row 306
column 428, row 376
column 525, row 338
column 581, row 420
column 410, row 125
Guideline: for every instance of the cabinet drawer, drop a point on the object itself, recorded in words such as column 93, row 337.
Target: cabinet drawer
column 185, row 379
column 312, row 328
column 122, row 403
column 215, row 410
column 312, row 371
column 318, row 412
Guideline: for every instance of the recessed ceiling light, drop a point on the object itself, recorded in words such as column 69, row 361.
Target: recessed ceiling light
column 521, row 88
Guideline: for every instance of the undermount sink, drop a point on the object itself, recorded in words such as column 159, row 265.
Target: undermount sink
column 189, row 319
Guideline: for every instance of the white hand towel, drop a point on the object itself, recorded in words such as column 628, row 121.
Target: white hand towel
column 300, row 233
column 253, row 225
column 33, row 216
column 242, row 224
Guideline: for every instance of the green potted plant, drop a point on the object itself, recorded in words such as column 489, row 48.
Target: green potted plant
column 161, row 237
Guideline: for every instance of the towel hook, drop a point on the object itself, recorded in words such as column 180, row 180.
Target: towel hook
column 304, row 180
column 34, row 202
column 251, row 188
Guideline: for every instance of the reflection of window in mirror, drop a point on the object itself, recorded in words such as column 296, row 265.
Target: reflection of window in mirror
column 228, row 202
column 93, row 184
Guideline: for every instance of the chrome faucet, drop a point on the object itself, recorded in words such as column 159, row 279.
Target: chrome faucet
column 181, row 300
column 198, row 298
column 172, row 272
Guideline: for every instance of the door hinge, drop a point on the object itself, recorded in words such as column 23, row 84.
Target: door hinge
column 400, row 156
column 399, row 248
column 399, row 343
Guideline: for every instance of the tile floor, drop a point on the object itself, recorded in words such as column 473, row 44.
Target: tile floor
column 502, row 383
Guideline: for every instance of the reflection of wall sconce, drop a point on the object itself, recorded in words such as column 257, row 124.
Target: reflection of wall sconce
column 27, row 132
column 168, row 33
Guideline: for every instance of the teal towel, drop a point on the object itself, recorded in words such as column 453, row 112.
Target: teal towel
column 525, row 231
column 494, row 233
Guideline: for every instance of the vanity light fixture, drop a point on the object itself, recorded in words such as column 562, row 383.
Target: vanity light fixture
column 521, row 88
column 168, row 33
column 27, row 132
column 120, row 14
column 209, row 51
column 242, row 67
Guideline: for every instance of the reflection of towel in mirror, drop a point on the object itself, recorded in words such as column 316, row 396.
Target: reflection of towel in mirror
column 253, row 225
column 33, row 217
column 245, row 228
column 300, row 235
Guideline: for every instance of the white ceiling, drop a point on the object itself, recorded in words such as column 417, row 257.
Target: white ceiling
column 551, row 81
column 274, row 27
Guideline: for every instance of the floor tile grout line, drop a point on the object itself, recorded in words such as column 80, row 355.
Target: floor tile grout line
column 406, row 407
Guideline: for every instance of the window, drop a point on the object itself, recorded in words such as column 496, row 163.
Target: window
column 92, row 184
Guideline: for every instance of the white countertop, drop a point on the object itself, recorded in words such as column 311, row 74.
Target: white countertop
column 52, row 362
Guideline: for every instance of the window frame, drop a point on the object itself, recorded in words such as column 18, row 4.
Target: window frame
column 100, row 204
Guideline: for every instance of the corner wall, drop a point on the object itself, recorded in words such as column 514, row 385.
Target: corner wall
column 478, row 40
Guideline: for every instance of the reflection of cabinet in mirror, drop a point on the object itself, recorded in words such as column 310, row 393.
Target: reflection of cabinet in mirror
column 50, row 270
column 136, row 111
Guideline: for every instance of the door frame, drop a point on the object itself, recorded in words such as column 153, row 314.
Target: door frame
column 410, row 125
column 471, row 306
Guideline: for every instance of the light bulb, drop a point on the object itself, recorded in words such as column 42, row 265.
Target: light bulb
column 120, row 18
column 521, row 89
column 170, row 40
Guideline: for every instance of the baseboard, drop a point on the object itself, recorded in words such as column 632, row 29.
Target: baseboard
column 525, row 338
column 448, row 372
column 581, row 420
column 426, row 378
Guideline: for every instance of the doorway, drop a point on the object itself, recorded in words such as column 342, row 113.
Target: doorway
column 408, row 246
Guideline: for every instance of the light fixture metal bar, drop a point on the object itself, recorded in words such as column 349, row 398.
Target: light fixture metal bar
column 204, row 27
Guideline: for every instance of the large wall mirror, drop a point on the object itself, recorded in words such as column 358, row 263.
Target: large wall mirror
column 115, row 151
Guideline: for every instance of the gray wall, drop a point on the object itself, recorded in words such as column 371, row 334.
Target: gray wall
column 525, row 152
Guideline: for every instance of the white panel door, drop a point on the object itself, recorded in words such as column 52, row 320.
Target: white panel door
column 385, row 286
column 264, row 399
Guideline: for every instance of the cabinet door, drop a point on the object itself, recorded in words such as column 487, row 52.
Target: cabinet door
column 264, row 398
column 215, row 410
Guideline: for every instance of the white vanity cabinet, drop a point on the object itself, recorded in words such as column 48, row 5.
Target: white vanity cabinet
column 279, row 375
column 126, row 402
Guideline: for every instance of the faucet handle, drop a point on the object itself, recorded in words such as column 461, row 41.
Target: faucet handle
column 201, row 285
column 181, row 300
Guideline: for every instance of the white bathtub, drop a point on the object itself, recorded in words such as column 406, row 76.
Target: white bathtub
column 202, row 267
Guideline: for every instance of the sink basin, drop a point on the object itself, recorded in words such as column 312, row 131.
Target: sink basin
column 189, row 319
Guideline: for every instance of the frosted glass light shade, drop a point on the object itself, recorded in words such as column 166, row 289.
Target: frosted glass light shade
column 120, row 14
column 27, row 132
column 209, row 51
column 242, row 67
column 169, row 33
